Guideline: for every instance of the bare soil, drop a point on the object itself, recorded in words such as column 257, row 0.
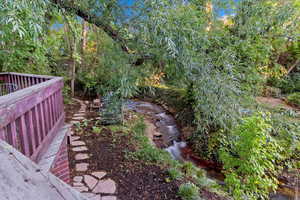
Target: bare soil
column 136, row 180
column 276, row 102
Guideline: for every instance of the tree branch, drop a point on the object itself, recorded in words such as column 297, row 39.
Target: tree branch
column 104, row 26
column 293, row 66
column 93, row 20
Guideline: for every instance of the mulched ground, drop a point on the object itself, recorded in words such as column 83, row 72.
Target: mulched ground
column 70, row 110
column 135, row 179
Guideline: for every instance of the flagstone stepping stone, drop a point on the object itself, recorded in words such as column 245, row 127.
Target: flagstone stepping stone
column 81, row 156
column 99, row 175
column 92, row 196
column 81, row 188
column 90, row 181
column 78, row 118
column 78, row 143
column 105, row 186
column 73, row 138
column 77, row 178
column 81, row 167
column 71, row 133
column 78, row 115
column 78, row 184
column 97, row 197
column 74, row 122
column 81, row 148
column 89, row 195
column 109, row 198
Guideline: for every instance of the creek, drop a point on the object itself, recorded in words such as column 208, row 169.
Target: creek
column 165, row 134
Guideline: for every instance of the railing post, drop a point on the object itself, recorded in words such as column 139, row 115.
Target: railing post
column 24, row 137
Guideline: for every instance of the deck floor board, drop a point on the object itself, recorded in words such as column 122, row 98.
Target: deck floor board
column 21, row 179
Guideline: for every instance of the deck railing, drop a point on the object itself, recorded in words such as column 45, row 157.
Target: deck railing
column 31, row 116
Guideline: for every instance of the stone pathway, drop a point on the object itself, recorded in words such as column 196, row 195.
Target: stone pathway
column 94, row 185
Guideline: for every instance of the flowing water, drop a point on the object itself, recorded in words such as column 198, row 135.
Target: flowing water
column 167, row 136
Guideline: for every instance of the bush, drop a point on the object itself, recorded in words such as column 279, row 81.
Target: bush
column 249, row 160
column 272, row 92
column 289, row 84
column 188, row 191
column 294, row 98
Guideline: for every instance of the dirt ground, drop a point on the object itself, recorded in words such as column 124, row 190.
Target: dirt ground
column 136, row 180
column 276, row 102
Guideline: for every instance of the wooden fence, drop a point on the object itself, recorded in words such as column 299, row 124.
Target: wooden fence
column 31, row 116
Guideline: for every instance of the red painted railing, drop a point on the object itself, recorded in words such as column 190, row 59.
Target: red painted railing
column 31, row 116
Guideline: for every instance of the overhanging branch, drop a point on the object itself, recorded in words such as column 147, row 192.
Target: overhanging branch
column 114, row 34
column 93, row 20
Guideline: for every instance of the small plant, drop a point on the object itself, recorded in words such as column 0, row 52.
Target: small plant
column 188, row 168
column 84, row 123
column 294, row 98
column 115, row 128
column 188, row 191
column 205, row 182
column 174, row 174
column 96, row 130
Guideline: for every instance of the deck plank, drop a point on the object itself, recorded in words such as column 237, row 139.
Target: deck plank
column 22, row 179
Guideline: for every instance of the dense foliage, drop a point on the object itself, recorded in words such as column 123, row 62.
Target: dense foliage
column 249, row 163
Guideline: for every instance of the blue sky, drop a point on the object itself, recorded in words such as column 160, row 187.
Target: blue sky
column 220, row 12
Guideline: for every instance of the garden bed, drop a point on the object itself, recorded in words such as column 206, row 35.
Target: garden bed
column 135, row 179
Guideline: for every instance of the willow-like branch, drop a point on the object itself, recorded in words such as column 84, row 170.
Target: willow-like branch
column 93, row 20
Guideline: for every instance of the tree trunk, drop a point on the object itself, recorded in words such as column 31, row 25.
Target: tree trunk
column 73, row 68
column 84, row 36
column 71, row 43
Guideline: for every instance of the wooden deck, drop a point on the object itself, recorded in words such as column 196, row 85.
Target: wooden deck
column 21, row 179
column 31, row 116
column 32, row 131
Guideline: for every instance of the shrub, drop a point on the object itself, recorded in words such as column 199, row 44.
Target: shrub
column 188, row 191
column 175, row 174
column 97, row 130
column 272, row 92
column 249, row 162
column 288, row 84
column 294, row 98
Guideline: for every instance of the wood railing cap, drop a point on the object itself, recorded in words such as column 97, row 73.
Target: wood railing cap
column 28, row 75
column 20, row 94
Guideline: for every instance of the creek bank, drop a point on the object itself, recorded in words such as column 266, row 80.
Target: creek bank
column 161, row 123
